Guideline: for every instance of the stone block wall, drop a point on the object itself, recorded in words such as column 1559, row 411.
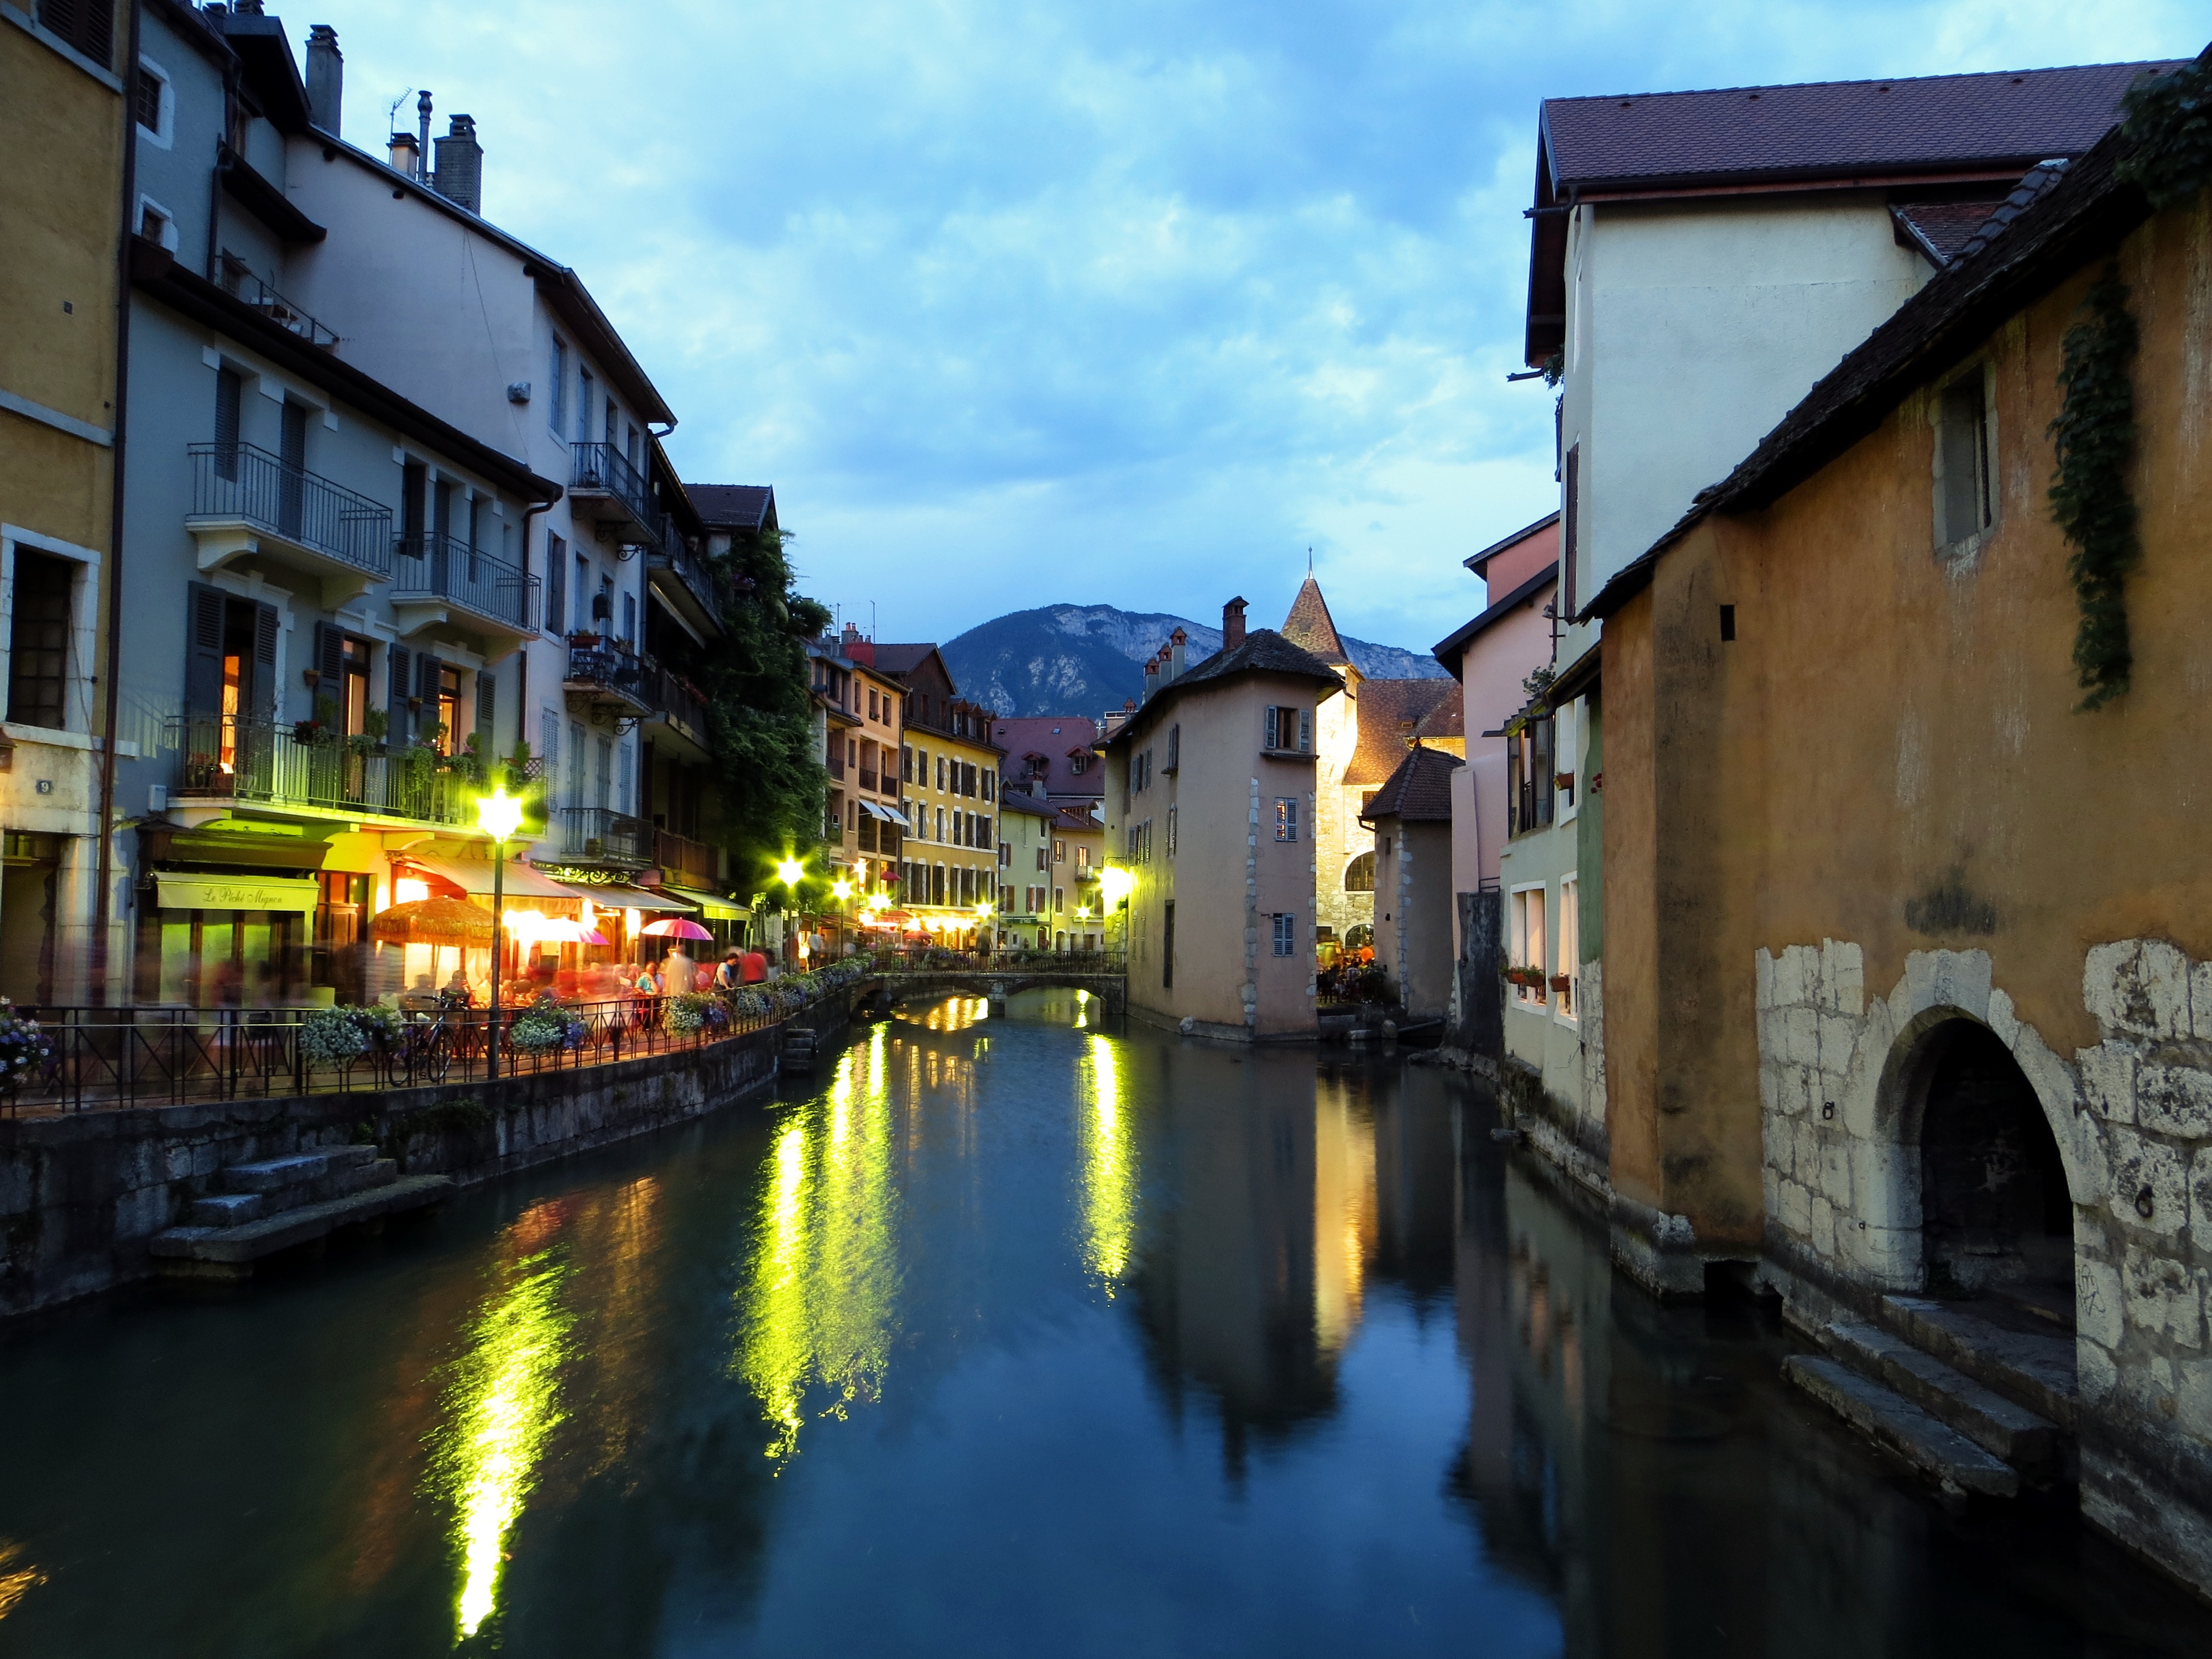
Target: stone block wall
column 2132, row 1119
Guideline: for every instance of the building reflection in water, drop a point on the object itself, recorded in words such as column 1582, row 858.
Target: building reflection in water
column 502, row 1401
column 818, row 1303
column 18, row 1577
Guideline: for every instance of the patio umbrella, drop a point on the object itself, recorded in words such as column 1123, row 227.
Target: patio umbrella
column 677, row 928
column 433, row 921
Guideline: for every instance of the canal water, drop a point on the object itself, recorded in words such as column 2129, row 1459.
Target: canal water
column 1001, row 1336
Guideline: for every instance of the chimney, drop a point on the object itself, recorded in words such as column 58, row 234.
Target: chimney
column 326, row 77
column 1176, row 641
column 1232, row 624
column 404, row 156
column 423, row 144
column 851, row 638
column 461, row 164
column 1151, row 677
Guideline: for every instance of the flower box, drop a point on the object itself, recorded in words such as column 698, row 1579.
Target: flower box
column 1563, row 779
column 1560, row 982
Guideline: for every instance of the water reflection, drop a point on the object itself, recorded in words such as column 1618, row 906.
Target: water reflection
column 1109, row 1172
column 18, row 1577
column 502, row 1405
column 818, row 1307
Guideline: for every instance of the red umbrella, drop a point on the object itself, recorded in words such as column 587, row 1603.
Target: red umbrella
column 677, row 928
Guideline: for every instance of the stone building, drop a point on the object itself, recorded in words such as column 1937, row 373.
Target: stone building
column 1359, row 737
column 1411, row 818
column 1879, row 1024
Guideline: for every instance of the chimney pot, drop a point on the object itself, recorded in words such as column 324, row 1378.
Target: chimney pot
column 461, row 164
column 326, row 77
column 404, row 156
column 422, row 141
column 1232, row 624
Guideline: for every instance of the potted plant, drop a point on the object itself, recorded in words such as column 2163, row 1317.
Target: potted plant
column 1560, row 982
column 1563, row 779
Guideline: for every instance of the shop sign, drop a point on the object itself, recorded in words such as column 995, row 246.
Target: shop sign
column 175, row 892
column 582, row 876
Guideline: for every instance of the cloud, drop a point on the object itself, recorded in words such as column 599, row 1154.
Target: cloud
column 1022, row 304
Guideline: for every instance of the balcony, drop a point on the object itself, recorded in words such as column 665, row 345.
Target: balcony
column 837, row 766
column 677, row 723
column 604, row 837
column 601, row 677
column 605, row 487
column 692, row 863
column 240, row 282
column 867, row 780
column 442, row 580
column 221, row 758
column 683, row 582
column 246, row 502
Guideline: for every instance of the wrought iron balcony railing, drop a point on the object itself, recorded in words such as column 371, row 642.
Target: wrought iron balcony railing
column 604, row 470
column 446, row 568
column 240, row 281
column 609, row 668
column 600, row 832
column 239, row 482
column 674, row 701
column 225, row 758
column 688, row 568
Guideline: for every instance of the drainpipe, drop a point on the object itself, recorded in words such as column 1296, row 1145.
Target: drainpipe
column 104, row 859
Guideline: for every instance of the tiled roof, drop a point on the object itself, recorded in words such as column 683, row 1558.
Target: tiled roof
column 1446, row 721
column 1933, row 123
column 1939, row 229
column 1013, row 800
column 1310, row 627
column 1056, row 739
column 2081, row 215
column 733, row 506
column 1389, row 710
column 1419, row 791
column 1264, row 651
column 902, row 659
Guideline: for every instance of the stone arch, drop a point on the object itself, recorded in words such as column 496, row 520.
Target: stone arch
column 1984, row 1179
column 1359, row 873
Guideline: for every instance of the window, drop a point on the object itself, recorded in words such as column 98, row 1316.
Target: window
column 1359, row 874
column 576, row 763
column 630, row 618
column 157, row 224
column 1060, row 852
column 584, row 386
column 449, row 709
column 1171, row 832
column 1569, row 949
column 1082, row 857
column 38, row 641
column 1965, row 503
column 1569, row 525
column 1077, row 763
column 906, row 764
column 86, row 26
column 1289, row 728
column 602, row 779
column 557, row 374
column 1530, row 795
column 581, row 623
column 1285, row 934
column 1527, row 943
column 228, row 385
column 872, row 702
column 1167, row 946
column 1174, row 747
column 1060, row 898
column 156, row 108
column 1286, row 819
column 557, row 581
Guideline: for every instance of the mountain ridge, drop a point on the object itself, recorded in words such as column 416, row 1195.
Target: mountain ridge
column 1085, row 658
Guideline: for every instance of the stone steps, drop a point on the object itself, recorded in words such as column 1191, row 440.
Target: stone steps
column 1998, row 1425
column 237, row 1247
column 2031, row 1367
column 1893, row 1422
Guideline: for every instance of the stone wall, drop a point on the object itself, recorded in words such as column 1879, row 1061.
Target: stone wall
column 2132, row 1118
column 81, row 1193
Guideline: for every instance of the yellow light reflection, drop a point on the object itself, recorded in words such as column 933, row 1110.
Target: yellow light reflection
column 1109, row 1178
column 1344, row 1216
column 820, row 1299
column 501, row 1407
column 16, row 1582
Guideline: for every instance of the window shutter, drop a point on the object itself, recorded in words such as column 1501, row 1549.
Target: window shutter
column 204, row 652
column 227, row 387
column 1570, row 526
column 265, row 661
column 1272, row 719
column 395, row 665
column 87, row 25
column 1305, row 730
column 330, row 658
column 486, row 713
column 557, row 582
column 1513, row 783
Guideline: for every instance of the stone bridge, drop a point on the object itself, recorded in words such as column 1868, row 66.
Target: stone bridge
column 881, row 991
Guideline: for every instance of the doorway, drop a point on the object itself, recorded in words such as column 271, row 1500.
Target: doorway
column 1995, row 1217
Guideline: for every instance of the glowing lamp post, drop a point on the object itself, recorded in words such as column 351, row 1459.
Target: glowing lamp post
column 983, row 921
column 1114, row 885
column 499, row 815
column 791, row 873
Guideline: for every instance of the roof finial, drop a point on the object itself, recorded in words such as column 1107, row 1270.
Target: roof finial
column 1308, row 561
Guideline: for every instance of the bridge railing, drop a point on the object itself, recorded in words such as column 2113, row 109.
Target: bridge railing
column 930, row 959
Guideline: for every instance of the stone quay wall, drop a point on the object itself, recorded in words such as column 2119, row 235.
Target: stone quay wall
column 83, row 1194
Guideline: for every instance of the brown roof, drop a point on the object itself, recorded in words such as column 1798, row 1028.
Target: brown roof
column 1388, row 713
column 2080, row 216
column 1264, row 651
column 1939, row 229
column 1310, row 627
column 1447, row 720
column 1056, row 740
column 1418, row 791
column 734, row 506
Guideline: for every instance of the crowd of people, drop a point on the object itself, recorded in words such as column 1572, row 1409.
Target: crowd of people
column 673, row 974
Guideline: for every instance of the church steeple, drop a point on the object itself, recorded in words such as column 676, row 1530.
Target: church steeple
column 1312, row 628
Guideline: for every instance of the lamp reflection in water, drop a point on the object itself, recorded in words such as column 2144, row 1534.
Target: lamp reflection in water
column 17, row 1578
column 1110, row 1180
column 502, row 1404
column 819, row 1300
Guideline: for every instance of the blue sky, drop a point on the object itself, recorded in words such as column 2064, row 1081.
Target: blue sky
column 1127, row 304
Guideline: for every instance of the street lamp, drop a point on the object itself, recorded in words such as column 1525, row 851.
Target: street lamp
column 499, row 815
column 1114, row 885
column 983, row 909
column 791, row 873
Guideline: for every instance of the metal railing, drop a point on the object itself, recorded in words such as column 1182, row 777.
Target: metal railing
column 230, row 758
column 446, row 567
column 682, row 856
column 934, row 959
column 868, row 781
column 605, row 666
column 837, row 766
column 238, row 481
column 238, row 281
column 673, row 700
column 605, row 469
column 154, row 1056
column 600, row 832
column 675, row 555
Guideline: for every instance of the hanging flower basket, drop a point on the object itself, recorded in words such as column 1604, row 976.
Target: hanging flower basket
column 1563, row 780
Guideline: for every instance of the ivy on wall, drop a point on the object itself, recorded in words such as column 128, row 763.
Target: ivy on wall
column 2095, row 438
column 2169, row 121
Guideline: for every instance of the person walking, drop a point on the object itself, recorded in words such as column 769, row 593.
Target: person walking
column 732, row 973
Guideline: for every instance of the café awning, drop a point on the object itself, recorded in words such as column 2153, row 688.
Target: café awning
column 884, row 813
column 474, row 876
column 713, row 907
column 181, row 892
column 614, row 897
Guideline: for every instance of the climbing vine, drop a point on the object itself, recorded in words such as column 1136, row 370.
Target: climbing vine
column 2094, row 438
column 2169, row 123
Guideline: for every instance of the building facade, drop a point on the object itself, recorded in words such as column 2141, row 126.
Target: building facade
column 1411, row 819
column 949, row 789
column 1210, row 803
column 69, row 83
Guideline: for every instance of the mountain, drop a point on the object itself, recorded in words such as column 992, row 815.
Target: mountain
column 1085, row 658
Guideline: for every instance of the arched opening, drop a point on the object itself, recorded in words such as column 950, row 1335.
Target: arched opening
column 1996, row 1219
column 1359, row 874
